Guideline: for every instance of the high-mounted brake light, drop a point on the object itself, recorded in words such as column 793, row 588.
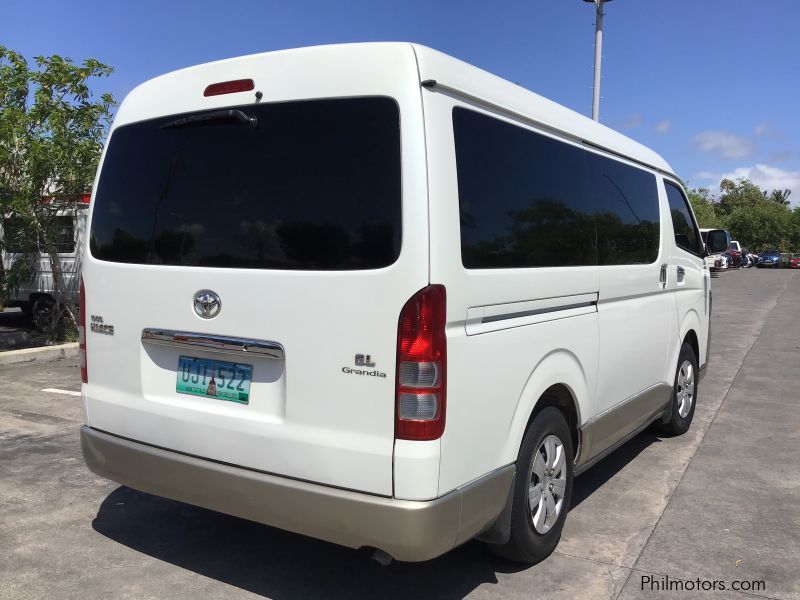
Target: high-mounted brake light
column 229, row 87
column 82, row 333
column 422, row 366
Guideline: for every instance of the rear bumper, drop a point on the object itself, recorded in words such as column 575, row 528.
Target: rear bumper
column 407, row 530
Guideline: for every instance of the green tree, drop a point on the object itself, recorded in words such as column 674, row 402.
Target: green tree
column 780, row 197
column 704, row 208
column 737, row 194
column 762, row 226
column 51, row 132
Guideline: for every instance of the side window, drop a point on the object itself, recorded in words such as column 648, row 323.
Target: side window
column 626, row 201
column 65, row 234
column 62, row 232
column 522, row 197
column 687, row 235
column 17, row 237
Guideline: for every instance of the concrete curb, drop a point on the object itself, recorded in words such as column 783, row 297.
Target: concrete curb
column 42, row 354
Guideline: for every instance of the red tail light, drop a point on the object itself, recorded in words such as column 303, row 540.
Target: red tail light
column 82, row 334
column 422, row 366
column 229, row 87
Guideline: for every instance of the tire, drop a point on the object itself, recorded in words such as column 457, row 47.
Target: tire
column 43, row 313
column 684, row 393
column 545, row 460
column 27, row 309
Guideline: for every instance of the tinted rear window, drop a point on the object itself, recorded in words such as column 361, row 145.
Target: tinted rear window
column 314, row 186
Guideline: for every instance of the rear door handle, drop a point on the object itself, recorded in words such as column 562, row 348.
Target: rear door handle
column 681, row 274
column 662, row 277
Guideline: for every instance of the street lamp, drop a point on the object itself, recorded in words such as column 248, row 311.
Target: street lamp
column 598, row 50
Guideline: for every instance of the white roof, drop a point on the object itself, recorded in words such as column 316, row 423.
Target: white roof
column 376, row 67
column 482, row 85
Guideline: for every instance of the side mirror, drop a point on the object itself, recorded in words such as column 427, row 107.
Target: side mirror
column 717, row 240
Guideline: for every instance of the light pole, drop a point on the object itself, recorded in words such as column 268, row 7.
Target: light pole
column 598, row 55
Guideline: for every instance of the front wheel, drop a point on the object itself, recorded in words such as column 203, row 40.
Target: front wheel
column 542, row 489
column 684, row 393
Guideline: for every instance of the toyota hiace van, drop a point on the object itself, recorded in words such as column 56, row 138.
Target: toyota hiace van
column 371, row 294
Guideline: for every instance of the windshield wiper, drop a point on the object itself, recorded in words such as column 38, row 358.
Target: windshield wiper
column 230, row 115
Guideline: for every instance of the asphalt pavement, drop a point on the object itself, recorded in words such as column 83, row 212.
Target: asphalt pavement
column 718, row 505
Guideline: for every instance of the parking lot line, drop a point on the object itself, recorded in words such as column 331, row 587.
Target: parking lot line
column 57, row 391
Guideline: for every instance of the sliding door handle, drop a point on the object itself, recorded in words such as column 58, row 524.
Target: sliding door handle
column 662, row 277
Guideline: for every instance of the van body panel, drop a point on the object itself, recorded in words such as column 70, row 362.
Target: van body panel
column 313, row 416
column 497, row 366
column 416, row 469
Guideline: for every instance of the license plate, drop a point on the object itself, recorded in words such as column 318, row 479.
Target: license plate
column 217, row 379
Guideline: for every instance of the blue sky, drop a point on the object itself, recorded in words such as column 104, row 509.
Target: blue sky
column 712, row 85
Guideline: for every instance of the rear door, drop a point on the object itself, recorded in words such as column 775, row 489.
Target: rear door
column 302, row 225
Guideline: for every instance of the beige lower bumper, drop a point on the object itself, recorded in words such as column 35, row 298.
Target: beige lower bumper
column 405, row 529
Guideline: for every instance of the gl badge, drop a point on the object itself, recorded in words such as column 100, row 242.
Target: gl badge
column 207, row 304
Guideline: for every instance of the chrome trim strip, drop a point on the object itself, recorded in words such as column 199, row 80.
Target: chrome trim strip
column 218, row 343
column 634, row 296
column 537, row 311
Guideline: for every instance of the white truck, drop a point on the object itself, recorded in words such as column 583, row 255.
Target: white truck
column 36, row 296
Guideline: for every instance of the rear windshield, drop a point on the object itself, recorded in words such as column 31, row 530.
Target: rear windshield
column 314, row 185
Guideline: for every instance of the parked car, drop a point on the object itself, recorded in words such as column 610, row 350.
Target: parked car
column 794, row 262
column 368, row 304
column 745, row 259
column 734, row 254
column 770, row 258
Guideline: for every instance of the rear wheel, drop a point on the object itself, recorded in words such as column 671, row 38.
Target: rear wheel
column 542, row 489
column 43, row 315
column 684, row 393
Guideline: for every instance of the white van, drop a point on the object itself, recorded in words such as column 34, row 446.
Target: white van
column 374, row 295
column 36, row 296
column 716, row 261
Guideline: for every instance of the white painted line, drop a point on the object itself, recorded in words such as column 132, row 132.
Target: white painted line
column 57, row 391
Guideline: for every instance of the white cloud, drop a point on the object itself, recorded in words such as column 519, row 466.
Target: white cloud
column 663, row 126
column 761, row 129
column 768, row 178
column 764, row 176
column 723, row 144
column 631, row 121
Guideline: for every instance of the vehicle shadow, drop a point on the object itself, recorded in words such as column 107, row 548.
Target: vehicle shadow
column 595, row 477
column 286, row 566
